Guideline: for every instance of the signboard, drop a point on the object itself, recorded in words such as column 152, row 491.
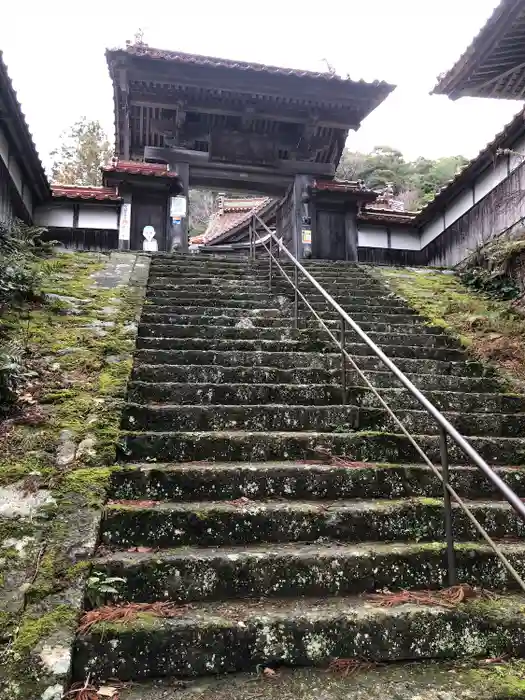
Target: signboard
column 307, row 236
column 178, row 207
column 125, row 222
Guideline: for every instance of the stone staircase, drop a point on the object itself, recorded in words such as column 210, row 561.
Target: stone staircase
column 265, row 557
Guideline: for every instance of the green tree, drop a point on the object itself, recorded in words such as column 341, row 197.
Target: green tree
column 84, row 148
column 414, row 182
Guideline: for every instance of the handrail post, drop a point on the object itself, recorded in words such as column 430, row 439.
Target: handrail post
column 343, row 360
column 296, row 300
column 449, row 534
column 270, row 264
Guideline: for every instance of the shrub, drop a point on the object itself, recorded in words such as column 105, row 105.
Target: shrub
column 21, row 247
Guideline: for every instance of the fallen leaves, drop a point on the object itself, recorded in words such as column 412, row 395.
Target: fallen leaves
column 330, row 460
column 239, row 502
column 446, row 598
column 127, row 611
column 134, row 503
column 349, row 667
column 87, row 691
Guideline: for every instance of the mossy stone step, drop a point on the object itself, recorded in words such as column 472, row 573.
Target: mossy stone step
column 260, row 286
column 270, row 316
column 239, row 445
column 191, row 574
column 306, row 344
column 212, row 638
column 316, row 395
column 217, row 374
column 281, row 418
column 204, row 298
column 211, row 311
column 442, row 680
column 174, row 330
column 161, row 298
column 297, row 481
column 235, row 294
column 294, row 360
column 223, row 523
column 284, row 323
column 393, row 315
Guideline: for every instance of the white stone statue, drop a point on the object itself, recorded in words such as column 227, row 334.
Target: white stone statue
column 150, row 243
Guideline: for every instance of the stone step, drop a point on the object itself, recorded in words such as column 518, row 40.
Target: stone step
column 415, row 326
column 444, row 680
column 164, row 299
column 284, row 418
column 294, row 360
column 212, row 638
column 216, row 374
column 279, row 305
column 262, row 276
column 351, row 306
column 235, row 294
column 260, row 345
column 276, row 315
column 194, row 574
column 261, row 284
column 224, row 523
column 239, row 445
column 211, row 311
column 396, row 337
column 317, row 395
column 300, row 481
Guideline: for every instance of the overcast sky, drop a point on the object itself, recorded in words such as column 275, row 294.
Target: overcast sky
column 55, row 55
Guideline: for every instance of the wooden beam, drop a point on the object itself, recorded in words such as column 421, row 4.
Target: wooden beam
column 126, row 107
column 325, row 118
column 287, row 167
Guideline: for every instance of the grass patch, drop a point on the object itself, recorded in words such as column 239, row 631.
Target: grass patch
column 492, row 330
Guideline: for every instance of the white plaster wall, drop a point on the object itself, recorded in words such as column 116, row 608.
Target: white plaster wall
column 459, row 206
column 28, row 199
column 54, row 215
column 431, row 230
column 405, row 239
column 4, row 147
column 97, row 216
column 519, row 147
column 489, row 179
column 372, row 236
column 15, row 173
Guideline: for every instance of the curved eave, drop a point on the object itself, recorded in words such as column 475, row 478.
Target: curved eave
column 492, row 65
column 18, row 130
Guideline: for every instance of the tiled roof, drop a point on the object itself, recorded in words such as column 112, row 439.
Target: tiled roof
column 230, row 217
column 143, row 50
column 374, row 214
column 495, row 53
column 340, row 185
column 16, row 121
column 135, row 167
column 95, row 193
column 485, row 158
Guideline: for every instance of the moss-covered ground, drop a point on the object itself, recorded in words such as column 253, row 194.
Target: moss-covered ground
column 57, row 449
column 494, row 331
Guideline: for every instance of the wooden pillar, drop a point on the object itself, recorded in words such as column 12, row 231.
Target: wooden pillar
column 351, row 242
column 126, row 125
column 183, row 171
column 124, row 226
column 299, row 212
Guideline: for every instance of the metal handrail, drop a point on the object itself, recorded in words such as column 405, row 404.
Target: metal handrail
column 446, row 428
